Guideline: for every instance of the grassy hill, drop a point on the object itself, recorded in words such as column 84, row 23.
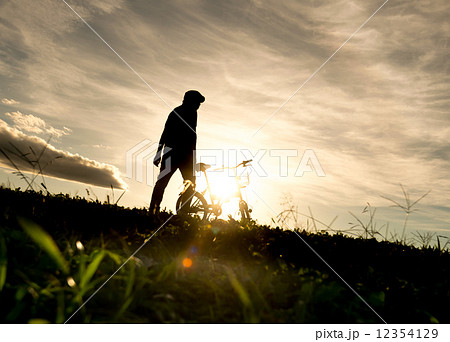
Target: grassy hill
column 56, row 251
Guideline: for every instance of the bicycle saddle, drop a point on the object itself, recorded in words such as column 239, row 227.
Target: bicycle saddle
column 202, row 167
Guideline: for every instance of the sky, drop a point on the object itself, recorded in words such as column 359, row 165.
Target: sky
column 375, row 115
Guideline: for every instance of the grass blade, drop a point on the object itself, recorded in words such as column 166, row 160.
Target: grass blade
column 3, row 262
column 92, row 268
column 45, row 241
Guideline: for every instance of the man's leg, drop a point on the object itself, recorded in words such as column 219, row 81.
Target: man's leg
column 166, row 172
column 187, row 171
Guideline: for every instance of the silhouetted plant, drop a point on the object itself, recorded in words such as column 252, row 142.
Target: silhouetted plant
column 407, row 208
column 369, row 229
column 33, row 159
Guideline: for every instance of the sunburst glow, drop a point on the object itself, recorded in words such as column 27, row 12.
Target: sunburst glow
column 224, row 189
column 223, row 186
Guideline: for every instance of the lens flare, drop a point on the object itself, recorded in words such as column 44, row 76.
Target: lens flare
column 187, row 262
column 70, row 282
column 80, row 246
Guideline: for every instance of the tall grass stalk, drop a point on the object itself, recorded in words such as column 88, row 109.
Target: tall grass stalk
column 407, row 208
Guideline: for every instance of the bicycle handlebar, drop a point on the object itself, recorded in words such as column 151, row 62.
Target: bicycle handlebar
column 244, row 163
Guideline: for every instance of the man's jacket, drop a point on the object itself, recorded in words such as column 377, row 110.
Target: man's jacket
column 180, row 135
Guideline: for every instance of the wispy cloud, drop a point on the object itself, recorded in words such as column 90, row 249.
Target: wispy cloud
column 33, row 124
column 101, row 146
column 10, row 102
column 56, row 163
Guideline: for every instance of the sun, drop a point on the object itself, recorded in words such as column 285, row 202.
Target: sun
column 224, row 188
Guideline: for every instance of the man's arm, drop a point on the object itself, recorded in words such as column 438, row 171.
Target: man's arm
column 161, row 144
column 158, row 155
column 162, row 141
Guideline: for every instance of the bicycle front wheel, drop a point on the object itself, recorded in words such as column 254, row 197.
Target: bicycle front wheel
column 245, row 212
column 196, row 205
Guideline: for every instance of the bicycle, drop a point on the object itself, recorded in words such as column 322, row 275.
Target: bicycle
column 198, row 205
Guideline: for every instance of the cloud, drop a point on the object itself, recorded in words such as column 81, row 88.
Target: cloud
column 10, row 101
column 101, row 146
column 33, row 124
column 56, row 163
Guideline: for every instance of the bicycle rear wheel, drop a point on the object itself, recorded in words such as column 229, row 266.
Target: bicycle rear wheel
column 196, row 205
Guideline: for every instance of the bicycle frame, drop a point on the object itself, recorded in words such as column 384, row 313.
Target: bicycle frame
column 216, row 202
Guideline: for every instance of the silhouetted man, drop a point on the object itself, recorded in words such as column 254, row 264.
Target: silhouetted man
column 177, row 145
